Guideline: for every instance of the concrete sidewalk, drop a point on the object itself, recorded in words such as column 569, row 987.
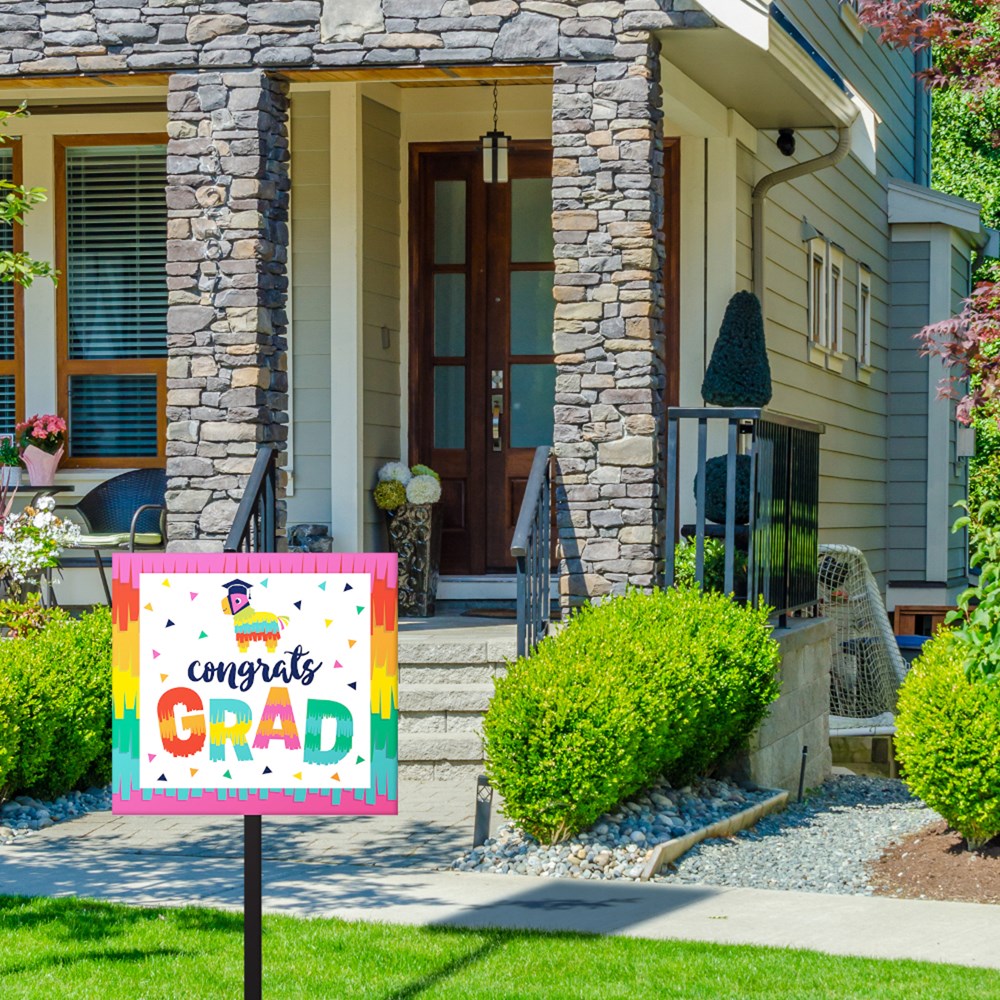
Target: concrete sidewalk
column 389, row 870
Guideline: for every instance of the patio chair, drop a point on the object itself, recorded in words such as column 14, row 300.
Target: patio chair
column 121, row 513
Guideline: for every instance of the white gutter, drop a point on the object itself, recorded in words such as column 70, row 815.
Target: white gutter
column 769, row 181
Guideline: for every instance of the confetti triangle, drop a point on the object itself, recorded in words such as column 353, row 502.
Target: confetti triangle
column 166, row 583
column 360, row 609
column 162, row 777
column 347, row 587
column 193, row 595
column 322, row 586
column 298, row 775
column 155, row 654
column 152, row 757
column 298, row 604
column 338, row 665
column 329, row 622
column 267, row 770
column 360, row 760
column 351, row 643
column 169, row 624
column 163, row 677
column 353, row 684
column 228, row 775
column 335, row 776
column 263, row 582
column 204, row 635
column 148, row 607
column 193, row 771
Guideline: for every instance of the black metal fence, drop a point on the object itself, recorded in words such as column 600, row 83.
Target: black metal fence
column 255, row 525
column 531, row 548
column 779, row 456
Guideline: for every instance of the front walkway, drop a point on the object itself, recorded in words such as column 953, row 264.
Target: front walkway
column 388, row 869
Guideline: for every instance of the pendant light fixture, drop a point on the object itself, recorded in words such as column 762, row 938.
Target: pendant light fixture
column 495, row 145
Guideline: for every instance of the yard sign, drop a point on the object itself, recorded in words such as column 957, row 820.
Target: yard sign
column 255, row 683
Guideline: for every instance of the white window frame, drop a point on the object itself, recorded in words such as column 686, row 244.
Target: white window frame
column 835, row 306
column 864, row 318
column 817, row 292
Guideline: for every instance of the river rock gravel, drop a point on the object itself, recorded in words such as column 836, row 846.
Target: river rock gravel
column 23, row 814
column 618, row 845
column 823, row 844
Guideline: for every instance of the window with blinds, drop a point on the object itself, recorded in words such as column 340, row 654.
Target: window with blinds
column 114, row 280
column 8, row 329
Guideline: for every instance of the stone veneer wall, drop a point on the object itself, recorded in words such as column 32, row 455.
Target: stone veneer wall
column 227, row 246
column 112, row 36
column 228, row 239
column 608, row 220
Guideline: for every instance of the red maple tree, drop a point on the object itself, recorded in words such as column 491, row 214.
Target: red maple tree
column 964, row 38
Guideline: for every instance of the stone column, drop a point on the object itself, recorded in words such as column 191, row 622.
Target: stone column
column 227, row 252
column 609, row 341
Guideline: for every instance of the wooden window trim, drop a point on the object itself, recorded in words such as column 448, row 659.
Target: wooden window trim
column 65, row 366
column 15, row 366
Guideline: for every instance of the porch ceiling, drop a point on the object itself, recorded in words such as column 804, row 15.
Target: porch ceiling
column 770, row 78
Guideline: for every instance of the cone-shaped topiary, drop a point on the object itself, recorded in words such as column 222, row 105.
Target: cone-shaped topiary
column 738, row 374
column 716, row 470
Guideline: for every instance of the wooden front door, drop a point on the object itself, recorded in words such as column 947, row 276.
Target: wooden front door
column 482, row 377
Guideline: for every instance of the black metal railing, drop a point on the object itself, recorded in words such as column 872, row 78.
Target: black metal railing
column 782, row 517
column 255, row 525
column 531, row 548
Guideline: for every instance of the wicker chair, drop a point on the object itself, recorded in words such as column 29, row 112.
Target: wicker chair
column 126, row 512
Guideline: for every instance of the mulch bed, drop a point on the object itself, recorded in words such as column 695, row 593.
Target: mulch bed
column 934, row 864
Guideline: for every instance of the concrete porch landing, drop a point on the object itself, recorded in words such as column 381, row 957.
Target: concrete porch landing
column 447, row 665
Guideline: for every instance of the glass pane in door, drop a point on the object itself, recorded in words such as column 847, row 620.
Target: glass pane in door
column 531, row 220
column 449, row 222
column 449, row 315
column 532, row 395
column 449, row 406
column 532, row 309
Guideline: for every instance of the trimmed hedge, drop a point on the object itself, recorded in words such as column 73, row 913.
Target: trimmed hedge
column 948, row 739
column 642, row 685
column 55, row 731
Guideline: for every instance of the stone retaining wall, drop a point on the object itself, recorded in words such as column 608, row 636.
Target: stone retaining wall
column 800, row 717
column 113, row 36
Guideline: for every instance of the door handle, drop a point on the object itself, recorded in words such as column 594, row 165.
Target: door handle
column 497, row 407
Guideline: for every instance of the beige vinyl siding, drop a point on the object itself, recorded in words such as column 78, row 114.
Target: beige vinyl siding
column 882, row 76
column 381, row 298
column 310, row 298
column 848, row 206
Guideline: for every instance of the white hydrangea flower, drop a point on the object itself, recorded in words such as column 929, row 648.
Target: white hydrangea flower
column 423, row 489
column 46, row 503
column 395, row 470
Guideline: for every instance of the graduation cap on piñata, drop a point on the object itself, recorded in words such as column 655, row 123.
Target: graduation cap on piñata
column 239, row 595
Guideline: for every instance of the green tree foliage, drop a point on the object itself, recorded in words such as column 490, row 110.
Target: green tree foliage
column 15, row 202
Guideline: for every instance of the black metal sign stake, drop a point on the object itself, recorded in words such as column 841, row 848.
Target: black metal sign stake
column 252, row 908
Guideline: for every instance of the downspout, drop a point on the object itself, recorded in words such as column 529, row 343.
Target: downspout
column 769, row 181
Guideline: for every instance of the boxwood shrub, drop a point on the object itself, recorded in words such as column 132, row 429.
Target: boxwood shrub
column 60, row 712
column 948, row 739
column 647, row 684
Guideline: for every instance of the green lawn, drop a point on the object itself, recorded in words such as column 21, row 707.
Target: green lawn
column 67, row 948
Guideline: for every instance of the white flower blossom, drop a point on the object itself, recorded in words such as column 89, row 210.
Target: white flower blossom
column 423, row 489
column 395, row 470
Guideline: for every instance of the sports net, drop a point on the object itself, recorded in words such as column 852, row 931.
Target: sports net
column 867, row 664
